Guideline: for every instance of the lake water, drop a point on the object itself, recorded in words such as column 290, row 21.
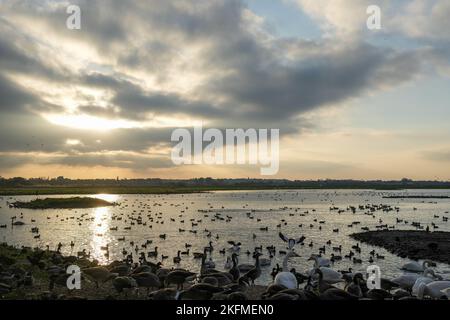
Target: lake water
column 90, row 229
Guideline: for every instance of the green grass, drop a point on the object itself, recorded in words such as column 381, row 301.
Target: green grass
column 63, row 203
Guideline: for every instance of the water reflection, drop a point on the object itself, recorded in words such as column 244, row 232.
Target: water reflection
column 100, row 234
column 107, row 197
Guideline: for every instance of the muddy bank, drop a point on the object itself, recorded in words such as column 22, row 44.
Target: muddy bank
column 412, row 244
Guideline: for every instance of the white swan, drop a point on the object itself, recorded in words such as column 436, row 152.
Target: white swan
column 428, row 276
column 286, row 278
column 415, row 266
column 329, row 275
column 435, row 289
column 407, row 281
column 319, row 261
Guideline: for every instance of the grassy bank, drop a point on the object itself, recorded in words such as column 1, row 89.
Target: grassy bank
column 63, row 203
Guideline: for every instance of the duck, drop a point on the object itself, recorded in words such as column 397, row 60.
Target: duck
column 285, row 277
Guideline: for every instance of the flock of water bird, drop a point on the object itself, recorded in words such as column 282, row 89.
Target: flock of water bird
column 144, row 265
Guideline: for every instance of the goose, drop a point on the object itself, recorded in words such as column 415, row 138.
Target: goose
column 378, row 294
column 337, row 294
column 121, row 270
column 285, row 277
column 255, row 272
column 178, row 277
column 200, row 291
column 164, row 294
column 272, row 290
column 147, row 280
column 354, row 287
column 153, row 254
column 122, row 283
column 387, row 284
column 234, row 271
column 414, row 266
column 223, row 277
column 99, row 274
column 241, row 285
column 141, row 269
column 177, row 259
column 315, row 282
column 245, row 267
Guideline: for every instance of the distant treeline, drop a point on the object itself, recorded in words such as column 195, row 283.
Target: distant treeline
column 19, row 182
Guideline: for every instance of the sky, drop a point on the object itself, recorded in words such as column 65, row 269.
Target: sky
column 102, row 101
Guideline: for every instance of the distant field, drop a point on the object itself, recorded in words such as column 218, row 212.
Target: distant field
column 115, row 190
column 55, row 190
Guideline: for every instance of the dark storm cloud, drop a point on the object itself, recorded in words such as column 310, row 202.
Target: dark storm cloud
column 12, row 97
column 126, row 161
column 251, row 81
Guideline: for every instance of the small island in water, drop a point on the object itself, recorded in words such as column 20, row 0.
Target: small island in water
column 63, row 203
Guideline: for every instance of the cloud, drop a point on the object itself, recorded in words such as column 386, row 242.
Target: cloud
column 439, row 156
column 186, row 60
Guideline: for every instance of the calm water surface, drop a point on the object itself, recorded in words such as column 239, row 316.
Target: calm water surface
column 90, row 229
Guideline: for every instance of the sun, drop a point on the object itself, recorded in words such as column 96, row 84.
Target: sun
column 86, row 122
